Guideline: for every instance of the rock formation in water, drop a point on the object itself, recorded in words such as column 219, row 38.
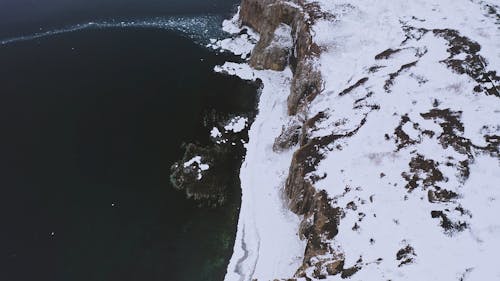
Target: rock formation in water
column 209, row 173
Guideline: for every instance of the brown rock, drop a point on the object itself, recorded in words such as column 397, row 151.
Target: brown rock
column 306, row 85
column 289, row 137
column 273, row 49
column 335, row 267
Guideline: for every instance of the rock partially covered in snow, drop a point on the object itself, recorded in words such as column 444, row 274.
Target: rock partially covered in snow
column 196, row 164
column 208, row 173
column 273, row 52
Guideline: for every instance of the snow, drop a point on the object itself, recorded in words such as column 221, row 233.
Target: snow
column 236, row 124
column 197, row 160
column 215, row 133
column 409, row 129
column 282, row 37
column 371, row 163
column 238, row 44
column 232, row 25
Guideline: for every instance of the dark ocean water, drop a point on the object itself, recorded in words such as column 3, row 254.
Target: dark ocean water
column 28, row 16
column 90, row 122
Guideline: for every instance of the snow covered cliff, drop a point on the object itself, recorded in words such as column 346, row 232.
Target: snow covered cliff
column 375, row 154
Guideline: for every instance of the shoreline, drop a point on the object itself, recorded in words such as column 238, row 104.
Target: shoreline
column 265, row 223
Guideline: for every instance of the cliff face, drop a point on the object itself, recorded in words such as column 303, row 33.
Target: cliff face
column 320, row 219
column 393, row 112
column 269, row 16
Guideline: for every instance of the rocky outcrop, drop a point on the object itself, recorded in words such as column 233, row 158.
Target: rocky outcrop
column 289, row 137
column 194, row 175
column 273, row 20
column 273, row 50
column 306, row 85
column 276, row 49
column 208, row 173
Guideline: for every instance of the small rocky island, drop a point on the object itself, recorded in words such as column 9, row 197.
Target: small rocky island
column 207, row 173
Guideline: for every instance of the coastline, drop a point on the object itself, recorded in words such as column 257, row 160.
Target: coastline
column 265, row 223
column 267, row 244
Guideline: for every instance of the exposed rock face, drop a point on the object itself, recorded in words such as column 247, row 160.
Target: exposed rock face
column 273, row 50
column 306, row 85
column 272, row 19
column 266, row 15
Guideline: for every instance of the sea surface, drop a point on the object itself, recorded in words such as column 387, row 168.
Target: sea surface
column 90, row 122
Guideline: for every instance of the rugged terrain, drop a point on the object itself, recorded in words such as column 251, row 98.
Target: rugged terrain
column 375, row 154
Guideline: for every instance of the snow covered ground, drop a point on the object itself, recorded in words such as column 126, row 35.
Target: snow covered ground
column 267, row 244
column 412, row 110
column 411, row 94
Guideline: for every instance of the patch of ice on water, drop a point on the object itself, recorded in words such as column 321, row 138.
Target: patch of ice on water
column 215, row 133
column 236, row 124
